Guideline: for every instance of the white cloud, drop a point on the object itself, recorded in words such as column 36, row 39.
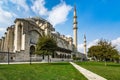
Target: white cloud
column 39, row 8
column 1, row 2
column 2, row 29
column 18, row 8
column 116, row 42
column 81, row 46
column 68, row 36
column 94, row 42
column 21, row 3
column 6, row 17
column 59, row 13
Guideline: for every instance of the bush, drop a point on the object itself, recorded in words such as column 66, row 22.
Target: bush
column 76, row 58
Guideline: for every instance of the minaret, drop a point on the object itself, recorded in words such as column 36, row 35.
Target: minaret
column 75, row 28
column 85, row 46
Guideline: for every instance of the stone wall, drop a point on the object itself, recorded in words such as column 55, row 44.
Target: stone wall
column 4, row 56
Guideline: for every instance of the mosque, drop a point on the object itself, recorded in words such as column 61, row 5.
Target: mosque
column 21, row 38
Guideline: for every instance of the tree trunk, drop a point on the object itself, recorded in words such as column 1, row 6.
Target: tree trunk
column 43, row 56
column 105, row 62
column 48, row 58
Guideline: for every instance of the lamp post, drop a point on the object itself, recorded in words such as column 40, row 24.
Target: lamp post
column 30, row 57
column 30, row 51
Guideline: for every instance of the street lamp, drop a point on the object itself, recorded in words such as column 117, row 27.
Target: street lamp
column 30, row 51
column 30, row 57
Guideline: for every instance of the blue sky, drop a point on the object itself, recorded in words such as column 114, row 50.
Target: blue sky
column 96, row 18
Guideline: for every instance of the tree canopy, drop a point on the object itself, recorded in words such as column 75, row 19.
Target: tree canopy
column 103, row 50
column 46, row 45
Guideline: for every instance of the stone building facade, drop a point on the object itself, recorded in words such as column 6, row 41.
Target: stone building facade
column 21, row 37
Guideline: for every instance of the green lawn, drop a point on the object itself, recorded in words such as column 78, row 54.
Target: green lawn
column 110, row 72
column 52, row 71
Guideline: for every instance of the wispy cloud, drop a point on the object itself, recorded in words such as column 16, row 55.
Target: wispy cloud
column 39, row 7
column 116, row 42
column 68, row 35
column 94, row 42
column 6, row 17
column 81, row 48
column 2, row 29
column 57, row 15
column 20, row 3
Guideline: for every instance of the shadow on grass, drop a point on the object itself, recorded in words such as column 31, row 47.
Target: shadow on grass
column 114, row 65
column 59, row 63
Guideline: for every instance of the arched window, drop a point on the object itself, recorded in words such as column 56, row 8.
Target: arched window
column 34, row 36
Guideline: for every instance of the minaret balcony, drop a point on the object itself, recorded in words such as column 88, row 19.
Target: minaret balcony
column 74, row 22
column 75, row 28
column 75, row 16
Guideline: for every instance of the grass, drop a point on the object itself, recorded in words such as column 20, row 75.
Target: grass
column 110, row 72
column 52, row 71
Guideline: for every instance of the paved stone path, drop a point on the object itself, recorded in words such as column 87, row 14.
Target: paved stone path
column 88, row 74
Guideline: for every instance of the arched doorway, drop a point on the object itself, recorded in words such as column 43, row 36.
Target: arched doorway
column 32, row 49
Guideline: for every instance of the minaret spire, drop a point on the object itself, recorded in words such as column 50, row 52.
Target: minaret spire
column 75, row 28
column 85, row 46
column 75, row 11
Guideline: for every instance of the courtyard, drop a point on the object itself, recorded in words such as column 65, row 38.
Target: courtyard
column 57, row 71
column 40, row 71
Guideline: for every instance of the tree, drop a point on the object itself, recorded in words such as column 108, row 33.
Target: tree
column 46, row 45
column 116, row 58
column 95, row 52
column 103, row 51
